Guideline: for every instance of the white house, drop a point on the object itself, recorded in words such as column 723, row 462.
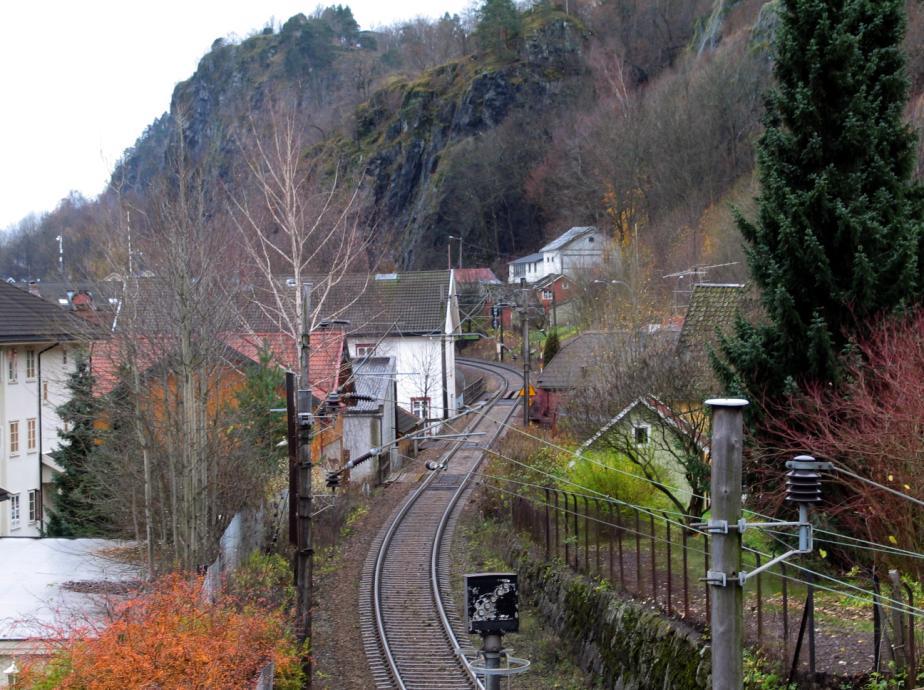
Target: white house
column 572, row 253
column 411, row 317
column 37, row 349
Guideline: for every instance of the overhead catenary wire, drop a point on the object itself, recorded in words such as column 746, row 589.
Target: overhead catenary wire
column 876, row 597
column 881, row 600
column 883, row 487
column 579, row 456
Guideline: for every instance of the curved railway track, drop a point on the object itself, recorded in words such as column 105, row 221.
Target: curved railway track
column 412, row 635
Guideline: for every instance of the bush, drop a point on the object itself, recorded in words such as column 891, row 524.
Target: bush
column 170, row 637
column 613, row 475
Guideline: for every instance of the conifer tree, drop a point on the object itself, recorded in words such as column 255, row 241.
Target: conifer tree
column 76, row 511
column 499, row 26
column 837, row 233
column 552, row 346
column 258, row 429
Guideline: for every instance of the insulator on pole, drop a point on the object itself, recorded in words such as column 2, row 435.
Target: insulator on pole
column 803, row 481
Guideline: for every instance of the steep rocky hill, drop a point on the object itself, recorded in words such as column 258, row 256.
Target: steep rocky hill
column 637, row 115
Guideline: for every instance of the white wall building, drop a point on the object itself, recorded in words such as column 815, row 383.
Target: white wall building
column 37, row 352
column 412, row 317
column 575, row 251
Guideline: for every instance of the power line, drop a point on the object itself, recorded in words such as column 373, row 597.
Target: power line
column 653, row 482
column 899, row 605
column 871, row 597
column 866, row 480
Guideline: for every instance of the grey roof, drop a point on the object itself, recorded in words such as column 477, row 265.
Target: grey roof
column 27, row 318
column 412, row 303
column 55, row 291
column 576, row 357
column 372, row 379
column 567, row 236
column 546, row 281
column 711, row 311
column 527, row 259
column 407, row 421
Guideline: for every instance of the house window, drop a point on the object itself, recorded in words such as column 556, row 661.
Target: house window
column 11, row 370
column 14, row 511
column 63, row 355
column 421, row 407
column 365, row 349
column 642, row 434
column 547, row 295
column 45, row 391
column 14, row 438
column 30, row 364
column 33, row 506
column 30, row 434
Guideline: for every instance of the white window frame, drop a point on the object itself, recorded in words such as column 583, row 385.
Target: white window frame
column 14, row 437
column 33, row 505
column 547, row 294
column 31, row 435
column 365, row 349
column 14, row 511
column 12, row 367
column 30, row 364
column 640, row 426
column 421, row 404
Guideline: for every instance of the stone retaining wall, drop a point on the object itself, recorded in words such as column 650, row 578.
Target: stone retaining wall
column 623, row 644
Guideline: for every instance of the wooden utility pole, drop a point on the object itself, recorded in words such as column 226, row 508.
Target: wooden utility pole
column 524, row 317
column 304, row 561
column 725, row 592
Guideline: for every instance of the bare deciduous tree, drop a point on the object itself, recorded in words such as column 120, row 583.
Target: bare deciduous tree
column 295, row 217
column 644, row 367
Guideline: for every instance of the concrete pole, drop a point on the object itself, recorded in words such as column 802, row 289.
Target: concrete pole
column 304, row 563
column 725, row 557
column 491, row 648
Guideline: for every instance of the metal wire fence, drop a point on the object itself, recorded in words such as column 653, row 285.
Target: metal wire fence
column 812, row 630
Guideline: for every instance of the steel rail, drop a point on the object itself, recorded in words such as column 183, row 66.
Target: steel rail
column 383, row 549
column 441, row 527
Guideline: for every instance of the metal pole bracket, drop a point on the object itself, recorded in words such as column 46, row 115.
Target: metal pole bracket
column 716, row 579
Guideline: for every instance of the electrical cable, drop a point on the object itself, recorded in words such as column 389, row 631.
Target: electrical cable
column 866, row 480
column 899, row 605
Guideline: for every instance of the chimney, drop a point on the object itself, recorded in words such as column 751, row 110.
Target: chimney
column 83, row 301
column 34, row 288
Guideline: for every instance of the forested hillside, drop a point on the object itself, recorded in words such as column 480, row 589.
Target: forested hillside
column 504, row 126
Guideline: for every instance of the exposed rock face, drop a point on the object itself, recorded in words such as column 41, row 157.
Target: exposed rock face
column 403, row 136
column 409, row 126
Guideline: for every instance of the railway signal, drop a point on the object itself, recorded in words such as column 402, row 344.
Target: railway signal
column 492, row 608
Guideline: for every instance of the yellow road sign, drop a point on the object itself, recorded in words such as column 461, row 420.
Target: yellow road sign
column 532, row 392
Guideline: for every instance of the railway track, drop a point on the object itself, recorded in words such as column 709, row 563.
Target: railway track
column 412, row 634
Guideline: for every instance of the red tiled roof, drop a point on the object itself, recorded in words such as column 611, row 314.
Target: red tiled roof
column 107, row 355
column 327, row 354
column 475, row 275
column 324, row 364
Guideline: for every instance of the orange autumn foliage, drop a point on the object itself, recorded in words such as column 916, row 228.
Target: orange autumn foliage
column 171, row 637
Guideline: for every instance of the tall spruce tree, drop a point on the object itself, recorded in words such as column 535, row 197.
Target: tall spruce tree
column 76, row 511
column 499, row 27
column 836, row 239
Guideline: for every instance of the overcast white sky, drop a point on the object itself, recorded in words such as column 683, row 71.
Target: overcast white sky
column 80, row 80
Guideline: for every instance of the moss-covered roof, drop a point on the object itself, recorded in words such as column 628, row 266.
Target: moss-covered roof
column 711, row 311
